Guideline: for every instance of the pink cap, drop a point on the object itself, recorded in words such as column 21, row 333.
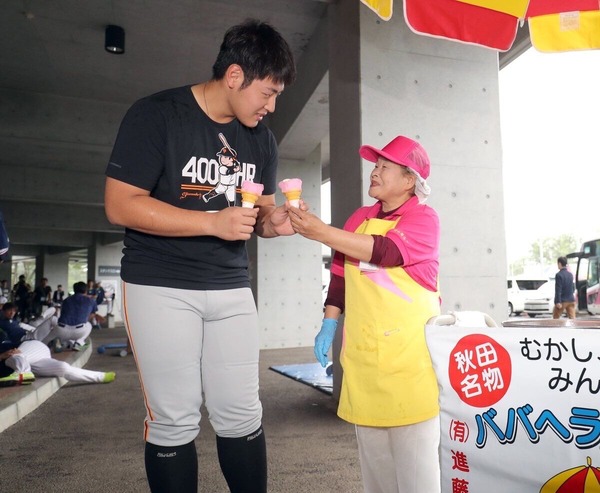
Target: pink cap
column 403, row 151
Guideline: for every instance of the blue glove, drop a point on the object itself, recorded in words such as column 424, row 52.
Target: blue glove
column 324, row 340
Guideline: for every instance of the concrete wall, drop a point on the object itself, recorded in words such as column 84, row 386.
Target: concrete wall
column 56, row 269
column 444, row 95
column 108, row 260
column 288, row 293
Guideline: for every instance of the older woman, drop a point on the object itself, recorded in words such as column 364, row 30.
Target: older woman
column 385, row 276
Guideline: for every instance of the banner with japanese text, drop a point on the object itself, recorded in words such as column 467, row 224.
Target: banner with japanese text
column 519, row 408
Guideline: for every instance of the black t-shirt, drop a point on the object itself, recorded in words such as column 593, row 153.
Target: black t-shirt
column 167, row 145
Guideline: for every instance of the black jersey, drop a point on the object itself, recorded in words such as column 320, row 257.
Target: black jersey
column 167, row 145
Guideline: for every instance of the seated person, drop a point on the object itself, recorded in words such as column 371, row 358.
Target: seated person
column 74, row 325
column 18, row 331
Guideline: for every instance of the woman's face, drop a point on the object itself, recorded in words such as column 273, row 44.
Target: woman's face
column 391, row 183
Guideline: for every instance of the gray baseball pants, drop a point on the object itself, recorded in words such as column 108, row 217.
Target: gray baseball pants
column 192, row 348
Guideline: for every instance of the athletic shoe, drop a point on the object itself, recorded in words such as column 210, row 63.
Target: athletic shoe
column 25, row 378
column 109, row 376
column 80, row 347
column 57, row 346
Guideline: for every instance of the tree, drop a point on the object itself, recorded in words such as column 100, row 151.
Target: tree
column 544, row 253
column 547, row 250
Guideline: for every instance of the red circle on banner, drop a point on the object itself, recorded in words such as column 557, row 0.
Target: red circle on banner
column 480, row 370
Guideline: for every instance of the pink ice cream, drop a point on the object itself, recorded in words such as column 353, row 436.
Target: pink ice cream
column 292, row 189
column 250, row 193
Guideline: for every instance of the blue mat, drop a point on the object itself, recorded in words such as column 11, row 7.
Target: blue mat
column 312, row 374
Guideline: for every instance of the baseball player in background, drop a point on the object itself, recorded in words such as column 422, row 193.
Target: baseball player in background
column 18, row 363
column 74, row 325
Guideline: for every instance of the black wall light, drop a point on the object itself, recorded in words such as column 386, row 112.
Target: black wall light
column 114, row 40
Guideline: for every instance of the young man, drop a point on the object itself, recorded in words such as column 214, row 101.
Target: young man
column 18, row 331
column 564, row 291
column 42, row 297
column 22, row 298
column 58, row 296
column 173, row 181
column 74, row 325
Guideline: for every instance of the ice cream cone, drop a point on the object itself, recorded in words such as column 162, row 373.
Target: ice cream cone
column 249, row 199
column 292, row 189
column 250, row 193
column 293, row 197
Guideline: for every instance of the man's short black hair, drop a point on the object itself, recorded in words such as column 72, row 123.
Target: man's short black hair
column 259, row 50
column 80, row 287
column 563, row 261
column 8, row 306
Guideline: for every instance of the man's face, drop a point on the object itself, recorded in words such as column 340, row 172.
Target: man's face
column 251, row 104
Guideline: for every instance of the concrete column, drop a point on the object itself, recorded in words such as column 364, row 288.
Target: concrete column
column 39, row 268
column 344, row 110
column 91, row 262
column 5, row 270
column 386, row 81
column 56, row 269
column 445, row 95
column 107, row 262
column 289, row 270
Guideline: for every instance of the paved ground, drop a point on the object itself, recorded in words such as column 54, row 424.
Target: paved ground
column 88, row 438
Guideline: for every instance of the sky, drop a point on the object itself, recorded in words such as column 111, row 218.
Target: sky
column 550, row 124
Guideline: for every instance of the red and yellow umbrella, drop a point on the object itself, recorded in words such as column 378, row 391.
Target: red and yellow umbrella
column 554, row 25
column 383, row 8
column 458, row 21
column 582, row 479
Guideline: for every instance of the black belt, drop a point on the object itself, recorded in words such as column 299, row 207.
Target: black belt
column 76, row 326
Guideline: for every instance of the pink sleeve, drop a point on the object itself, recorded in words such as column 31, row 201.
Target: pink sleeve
column 417, row 235
column 337, row 264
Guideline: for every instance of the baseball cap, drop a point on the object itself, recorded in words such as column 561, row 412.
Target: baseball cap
column 403, row 151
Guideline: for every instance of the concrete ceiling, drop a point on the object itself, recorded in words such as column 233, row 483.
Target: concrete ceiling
column 62, row 96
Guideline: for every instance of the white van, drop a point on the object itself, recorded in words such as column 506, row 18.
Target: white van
column 519, row 289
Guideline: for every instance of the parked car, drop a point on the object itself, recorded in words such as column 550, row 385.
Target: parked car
column 541, row 302
column 519, row 289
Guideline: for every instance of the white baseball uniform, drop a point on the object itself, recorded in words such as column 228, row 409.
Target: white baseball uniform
column 35, row 357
